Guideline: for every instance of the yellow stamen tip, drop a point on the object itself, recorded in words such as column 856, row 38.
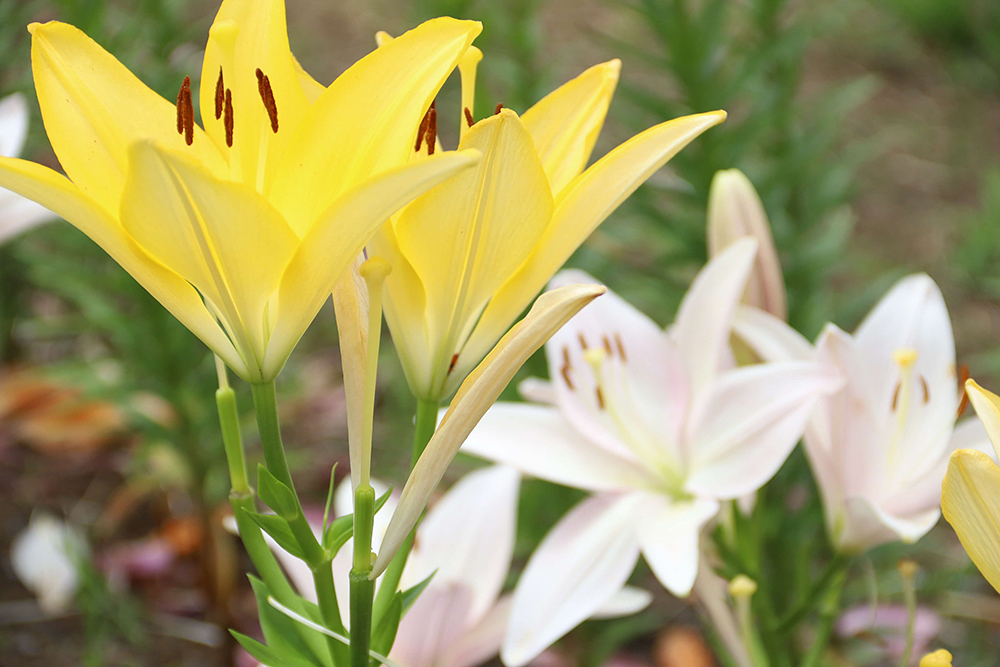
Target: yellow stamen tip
column 939, row 658
column 907, row 568
column 595, row 357
column 742, row 586
column 375, row 269
column 905, row 357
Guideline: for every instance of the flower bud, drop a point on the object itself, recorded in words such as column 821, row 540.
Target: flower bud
column 939, row 658
column 735, row 211
column 742, row 586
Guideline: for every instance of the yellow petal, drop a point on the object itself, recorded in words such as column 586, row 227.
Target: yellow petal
column 221, row 236
column 970, row 500
column 310, row 86
column 467, row 67
column 465, row 237
column 350, row 301
column 477, row 393
column 337, row 238
column 94, row 109
column 55, row 192
column 987, row 405
column 248, row 35
column 735, row 211
column 582, row 206
column 565, row 123
column 366, row 121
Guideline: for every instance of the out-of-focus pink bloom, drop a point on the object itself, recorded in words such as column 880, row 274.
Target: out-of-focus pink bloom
column 889, row 624
column 17, row 214
column 660, row 426
column 735, row 211
column 879, row 447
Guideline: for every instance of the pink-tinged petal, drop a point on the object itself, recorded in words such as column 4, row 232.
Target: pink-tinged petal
column 434, row 624
column 13, row 125
column 468, row 536
column 747, row 423
column 770, row 337
column 911, row 315
column 668, row 532
column 639, row 354
column 578, row 567
column 970, row 433
column 482, row 641
column 629, row 600
column 538, row 441
column 18, row 215
column 536, row 390
column 704, row 320
column 866, row 525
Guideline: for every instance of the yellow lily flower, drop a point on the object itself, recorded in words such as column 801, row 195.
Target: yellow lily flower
column 970, row 497
column 241, row 228
column 470, row 255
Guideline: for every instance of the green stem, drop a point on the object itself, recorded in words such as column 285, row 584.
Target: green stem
column 426, row 422
column 229, row 420
column 265, row 404
column 910, row 596
column 362, row 588
column 834, row 571
column 329, row 608
column 828, row 616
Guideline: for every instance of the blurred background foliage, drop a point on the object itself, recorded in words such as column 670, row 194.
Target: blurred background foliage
column 871, row 129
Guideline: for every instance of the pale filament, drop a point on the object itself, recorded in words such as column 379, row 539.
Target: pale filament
column 905, row 358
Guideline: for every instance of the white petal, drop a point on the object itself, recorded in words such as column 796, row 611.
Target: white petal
column 18, row 215
column 481, row 642
column 538, row 441
column 668, row 535
column 865, row 525
column 578, row 568
column 468, row 536
column 44, row 557
column 771, row 338
column 13, row 125
column 434, row 624
column 747, row 423
column 704, row 319
column 629, row 600
column 537, row 390
column 639, row 355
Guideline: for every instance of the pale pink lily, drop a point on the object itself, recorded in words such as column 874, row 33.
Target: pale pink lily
column 466, row 541
column 879, row 447
column 17, row 214
column 660, row 426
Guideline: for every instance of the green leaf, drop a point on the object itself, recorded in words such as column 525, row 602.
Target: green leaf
column 266, row 655
column 285, row 636
column 337, row 533
column 276, row 495
column 410, row 595
column 278, row 528
column 384, row 635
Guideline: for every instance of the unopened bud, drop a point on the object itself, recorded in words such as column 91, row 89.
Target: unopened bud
column 907, row 568
column 742, row 586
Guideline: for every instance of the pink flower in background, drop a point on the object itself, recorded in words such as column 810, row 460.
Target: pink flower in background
column 17, row 214
column 888, row 625
column 879, row 447
column 660, row 426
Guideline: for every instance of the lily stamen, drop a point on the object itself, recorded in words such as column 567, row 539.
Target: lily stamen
column 621, row 348
column 220, row 96
column 454, row 360
column 432, row 129
column 185, row 112
column 422, row 130
column 499, row 107
column 963, row 403
column 905, row 358
column 468, row 117
column 267, row 96
column 229, row 120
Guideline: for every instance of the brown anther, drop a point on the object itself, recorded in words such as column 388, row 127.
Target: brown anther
column 565, row 351
column 229, row 120
column 565, row 376
column 185, row 112
column 267, row 97
column 583, row 342
column 497, row 110
column 468, row 117
column 963, row 404
column 454, row 360
column 926, row 389
column 607, row 345
column 220, row 96
column 422, row 130
column 895, row 396
column 600, row 398
column 432, row 130
column 621, row 347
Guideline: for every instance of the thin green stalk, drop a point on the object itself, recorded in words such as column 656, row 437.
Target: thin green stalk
column 232, row 438
column 326, row 598
column 362, row 588
column 908, row 572
column 828, row 616
column 265, row 403
column 426, row 422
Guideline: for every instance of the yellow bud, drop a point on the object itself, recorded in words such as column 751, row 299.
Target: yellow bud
column 939, row 658
column 907, row 568
column 742, row 586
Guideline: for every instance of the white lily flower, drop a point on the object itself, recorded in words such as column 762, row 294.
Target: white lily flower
column 17, row 214
column 45, row 557
column 879, row 447
column 660, row 426
column 467, row 542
